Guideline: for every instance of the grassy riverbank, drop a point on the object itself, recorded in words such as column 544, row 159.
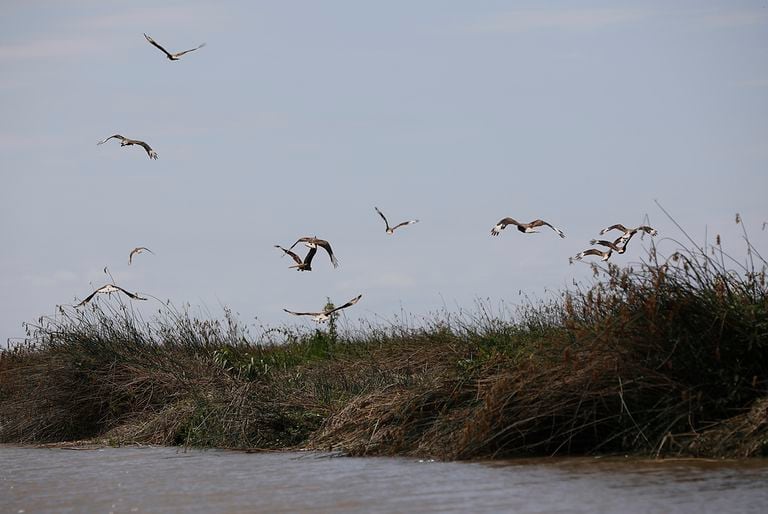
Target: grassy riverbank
column 669, row 358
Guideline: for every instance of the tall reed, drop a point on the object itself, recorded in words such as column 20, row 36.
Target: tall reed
column 669, row 356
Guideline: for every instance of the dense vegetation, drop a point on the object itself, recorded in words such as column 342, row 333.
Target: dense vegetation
column 670, row 358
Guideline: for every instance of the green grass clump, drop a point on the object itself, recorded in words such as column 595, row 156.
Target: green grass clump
column 669, row 357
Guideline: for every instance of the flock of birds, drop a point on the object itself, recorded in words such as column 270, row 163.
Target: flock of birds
column 124, row 141
column 618, row 245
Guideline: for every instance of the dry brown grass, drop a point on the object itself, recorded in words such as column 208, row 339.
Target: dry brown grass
column 668, row 358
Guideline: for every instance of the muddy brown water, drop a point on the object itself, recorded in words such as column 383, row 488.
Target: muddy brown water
column 166, row 480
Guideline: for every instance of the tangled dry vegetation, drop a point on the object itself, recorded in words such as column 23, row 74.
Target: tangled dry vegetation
column 670, row 358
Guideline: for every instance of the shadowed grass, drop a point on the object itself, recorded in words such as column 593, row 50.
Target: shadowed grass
column 670, row 357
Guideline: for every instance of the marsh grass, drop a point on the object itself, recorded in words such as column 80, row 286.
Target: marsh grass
column 669, row 357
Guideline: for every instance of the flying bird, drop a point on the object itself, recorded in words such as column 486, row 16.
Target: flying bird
column 138, row 250
column 619, row 246
column 172, row 57
column 124, row 141
column 109, row 289
column 391, row 230
column 594, row 251
column 306, row 264
column 323, row 316
column 313, row 242
column 629, row 232
column 527, row 228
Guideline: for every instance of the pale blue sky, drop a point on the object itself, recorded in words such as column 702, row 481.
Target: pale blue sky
column 298, row 117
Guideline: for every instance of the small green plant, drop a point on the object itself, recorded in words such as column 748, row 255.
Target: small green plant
column 332, row 333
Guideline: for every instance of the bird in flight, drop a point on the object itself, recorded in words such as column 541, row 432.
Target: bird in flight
column 324, row 315
column 527, row 228
column 619, row 246
column 136, row 251
column 391, row 230
column 109, row 289
column 313, row 242
column 306, row 264
column 594, row 251
column 629, row 232
column 124, row 141
column 172, row 57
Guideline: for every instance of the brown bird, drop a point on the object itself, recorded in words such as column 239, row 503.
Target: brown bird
column 306, row 264
column 313, row 242
column 629, row 232
column 619, row 246
column 109, row 289
column 323, row 316
column 391, row 230
column 172, row 57
column 527, row 228
column 594, row 251
column 124, row 141
column 138, row 250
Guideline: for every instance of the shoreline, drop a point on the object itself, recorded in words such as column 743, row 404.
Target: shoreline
column 562, row 460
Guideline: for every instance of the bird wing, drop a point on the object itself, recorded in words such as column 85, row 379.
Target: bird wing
column 151, row 153
column 310, row 255
column 179, row 54
column 590, row 251
column 327, row 247
column 541, row 223
column 102, row 289
column 136, row 250
column 501, row 225
column 613, row 245
column 154, row 43
column 130, row 294
column 304, row 313
column 302, row 240
column 295, row 257
column 617, row 226
column 648, row 230
column 117, row 136
column 348, row 304
column 409, row 222
column 89, row 297
column 625, row 237
column 382, row 217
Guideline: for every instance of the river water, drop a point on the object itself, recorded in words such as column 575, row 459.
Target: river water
column 166, row 480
